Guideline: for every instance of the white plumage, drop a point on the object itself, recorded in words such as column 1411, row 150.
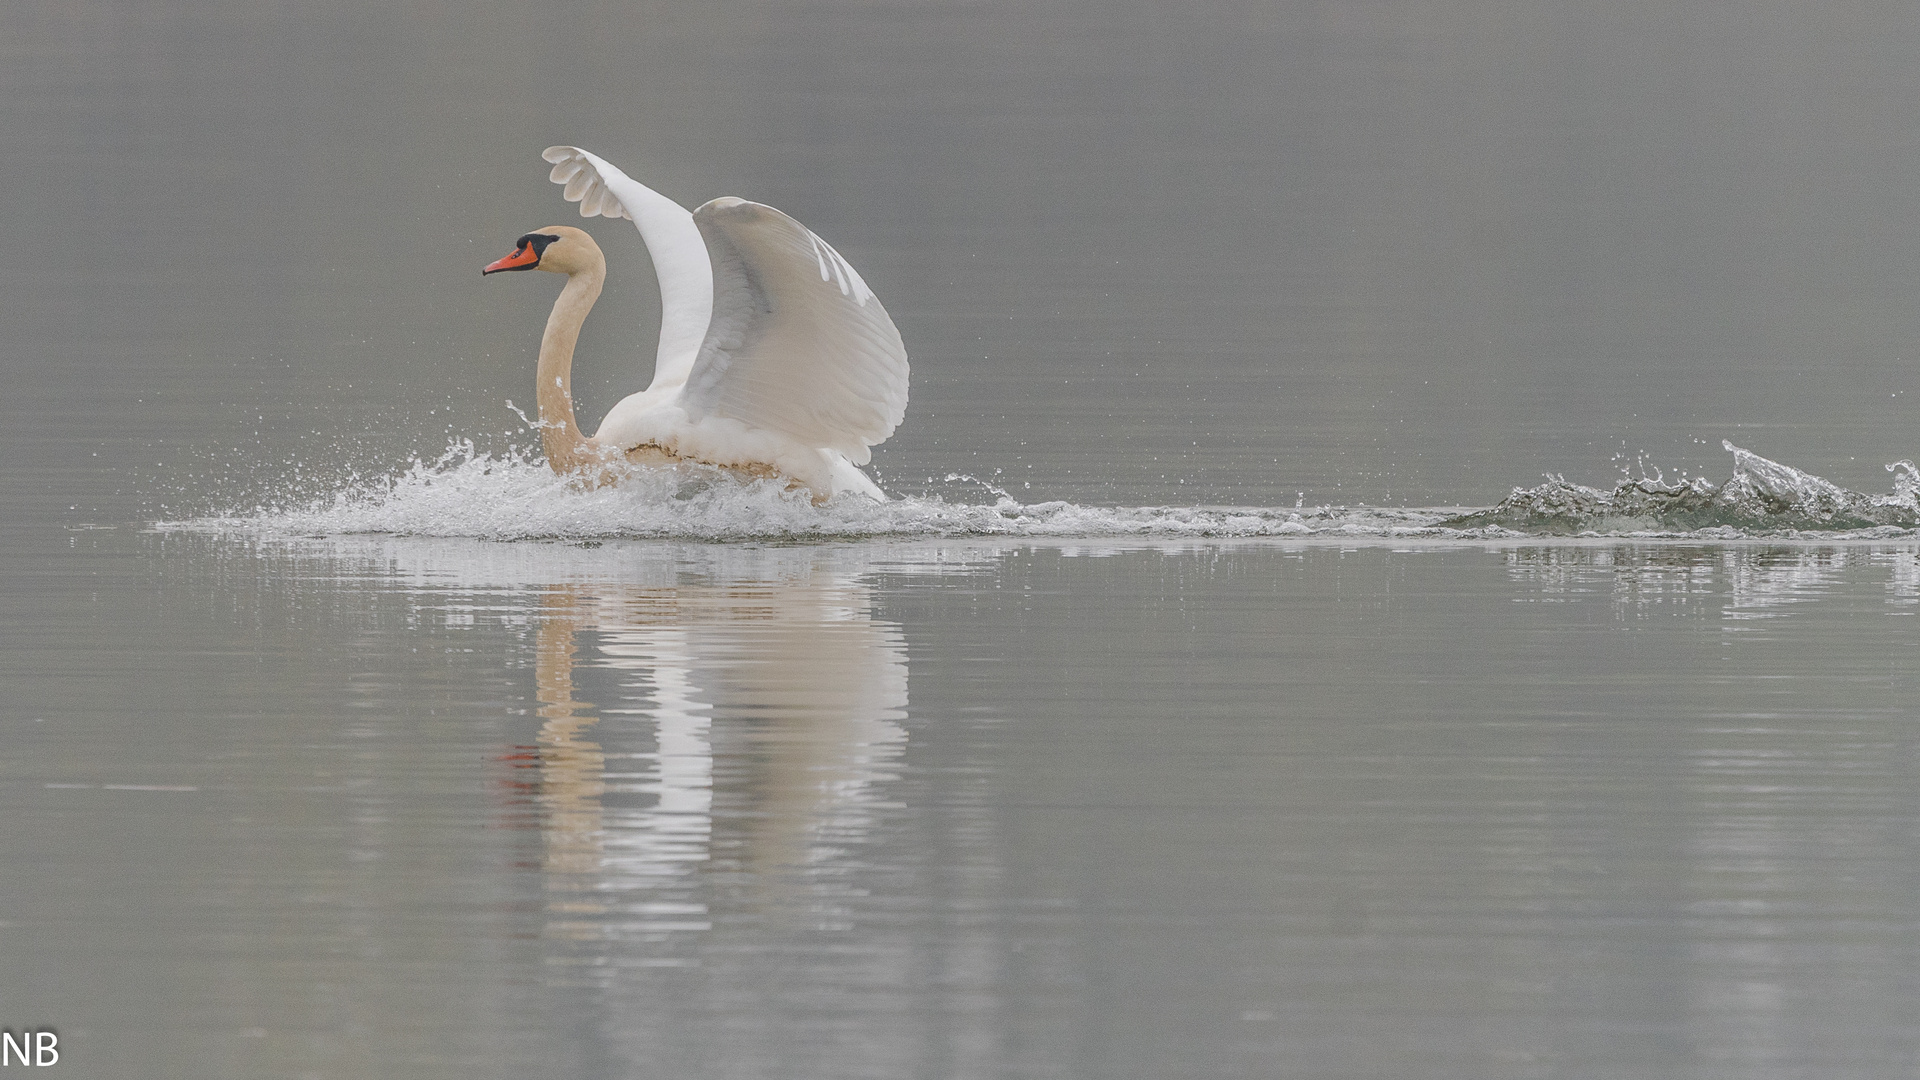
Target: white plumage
column 773, row 350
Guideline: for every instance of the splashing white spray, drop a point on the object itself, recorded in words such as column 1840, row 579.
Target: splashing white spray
column 514, row 496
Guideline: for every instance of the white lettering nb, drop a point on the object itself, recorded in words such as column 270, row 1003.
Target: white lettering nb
column 31, row 1048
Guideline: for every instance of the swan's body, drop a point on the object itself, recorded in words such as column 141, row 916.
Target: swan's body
column 775, row 359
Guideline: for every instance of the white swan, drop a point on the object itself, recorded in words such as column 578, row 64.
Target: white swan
column 775, row 358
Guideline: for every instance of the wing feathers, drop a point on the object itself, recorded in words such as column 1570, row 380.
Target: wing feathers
column 790, row 338
column 584, row 183
column 680, row 262
column 797, row 343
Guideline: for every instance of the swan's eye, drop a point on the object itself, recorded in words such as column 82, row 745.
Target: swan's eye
column 538, row 241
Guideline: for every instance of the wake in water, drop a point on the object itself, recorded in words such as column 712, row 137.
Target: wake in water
column 512, row 496
column 1761, row 497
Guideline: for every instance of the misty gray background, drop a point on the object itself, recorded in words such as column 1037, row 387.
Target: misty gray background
column 1385, row 252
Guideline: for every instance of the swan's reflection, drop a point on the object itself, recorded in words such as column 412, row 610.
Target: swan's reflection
column 572, row 767
column 772, row 711
column 718, row 724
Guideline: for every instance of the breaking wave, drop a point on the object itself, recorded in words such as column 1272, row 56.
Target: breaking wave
column 1762, row 497
column 514, row 496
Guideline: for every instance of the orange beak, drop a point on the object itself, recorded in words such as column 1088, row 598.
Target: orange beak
column 523, row 258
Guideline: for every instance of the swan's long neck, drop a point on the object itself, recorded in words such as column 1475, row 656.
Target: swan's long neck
column 560, row 434
column 681, row 264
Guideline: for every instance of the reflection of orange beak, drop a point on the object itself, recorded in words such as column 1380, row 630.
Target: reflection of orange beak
column 523, row 259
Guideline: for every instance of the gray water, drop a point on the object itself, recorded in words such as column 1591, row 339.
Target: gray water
column 1162, row 728
column 429, row 807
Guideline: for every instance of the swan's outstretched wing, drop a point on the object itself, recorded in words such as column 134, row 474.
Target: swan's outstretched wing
column 581, row 172
column 678, row 252
column 797, row 342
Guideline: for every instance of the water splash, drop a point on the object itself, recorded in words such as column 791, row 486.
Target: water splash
column 1761, row 497
column 512, row 495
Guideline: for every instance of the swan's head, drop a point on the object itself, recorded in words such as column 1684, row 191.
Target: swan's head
column 560, row 248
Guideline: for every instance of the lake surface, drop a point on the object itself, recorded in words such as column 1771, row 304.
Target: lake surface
column 1171, row 722
column 377, row 806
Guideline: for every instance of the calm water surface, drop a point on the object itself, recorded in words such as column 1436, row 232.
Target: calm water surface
column 378, row 806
